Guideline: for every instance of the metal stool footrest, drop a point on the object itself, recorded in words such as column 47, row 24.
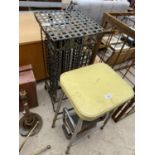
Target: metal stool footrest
column 70, row 121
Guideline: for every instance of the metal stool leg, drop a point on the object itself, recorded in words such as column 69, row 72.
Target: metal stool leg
column 77, row 129
column 57, row 110
column 106, row 120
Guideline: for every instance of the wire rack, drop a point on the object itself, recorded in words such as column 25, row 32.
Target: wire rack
column 117, row 49
column 62, row 25
column 118, row 43
column 70, row 40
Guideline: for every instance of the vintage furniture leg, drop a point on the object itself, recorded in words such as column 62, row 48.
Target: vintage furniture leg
column 57, row 110
column 106, row 120
column 77, row 129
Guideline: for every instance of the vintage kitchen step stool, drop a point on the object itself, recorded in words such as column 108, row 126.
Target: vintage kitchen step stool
column 93, row 91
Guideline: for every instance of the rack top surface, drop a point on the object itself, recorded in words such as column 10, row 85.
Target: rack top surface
column 63, row 24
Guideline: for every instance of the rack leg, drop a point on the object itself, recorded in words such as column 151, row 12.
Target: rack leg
column 57, row 110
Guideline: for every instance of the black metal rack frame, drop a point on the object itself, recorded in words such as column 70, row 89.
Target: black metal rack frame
column 70, row 40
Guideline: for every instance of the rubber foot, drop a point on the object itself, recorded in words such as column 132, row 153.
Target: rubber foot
column 53, row 126
column 67, row 151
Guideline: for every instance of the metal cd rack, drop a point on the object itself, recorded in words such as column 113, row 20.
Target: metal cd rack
column 62, row 24
column 70, row 40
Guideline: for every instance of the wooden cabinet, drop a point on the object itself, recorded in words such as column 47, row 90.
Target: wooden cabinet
column 30, row 47
column 27, row 84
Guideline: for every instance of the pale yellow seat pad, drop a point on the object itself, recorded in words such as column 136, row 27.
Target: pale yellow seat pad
column 95, row 90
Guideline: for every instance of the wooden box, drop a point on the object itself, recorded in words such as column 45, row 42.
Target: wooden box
column 27, row 82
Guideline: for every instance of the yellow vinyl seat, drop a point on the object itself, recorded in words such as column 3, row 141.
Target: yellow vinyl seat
column 95, row 90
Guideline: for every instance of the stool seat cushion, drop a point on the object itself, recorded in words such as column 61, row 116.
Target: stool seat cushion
column 95, row 90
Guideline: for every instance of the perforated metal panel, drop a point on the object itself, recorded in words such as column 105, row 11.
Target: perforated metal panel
column 69, row 40
column 61, row 25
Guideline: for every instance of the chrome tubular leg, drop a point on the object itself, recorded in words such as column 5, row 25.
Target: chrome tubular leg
column 106, row 120
column 77, row 129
